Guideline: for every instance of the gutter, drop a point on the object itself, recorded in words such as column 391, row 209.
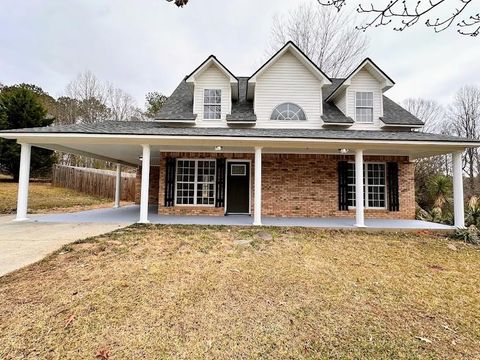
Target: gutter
column 145, row 138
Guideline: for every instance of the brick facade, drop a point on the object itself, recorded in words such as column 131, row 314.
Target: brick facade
column 194, row 210
column 303, row 185
column 307, row 186
column 153, row 182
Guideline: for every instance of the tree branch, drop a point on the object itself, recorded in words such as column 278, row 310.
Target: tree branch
column 472, row 25
column 410, row 15
column 179, row 3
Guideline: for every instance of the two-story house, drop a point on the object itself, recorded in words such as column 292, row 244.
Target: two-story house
column 287, row 141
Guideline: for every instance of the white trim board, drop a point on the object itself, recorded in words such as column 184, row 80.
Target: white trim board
column 158, row 139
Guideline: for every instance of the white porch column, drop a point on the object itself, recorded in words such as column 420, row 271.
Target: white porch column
column 359, row 216
column 458, row 201
column 145, row 184
column 118, row 187
column 23, row 180
column 257, row 212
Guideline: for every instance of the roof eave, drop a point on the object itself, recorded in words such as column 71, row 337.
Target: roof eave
column 337, row 124
column 30, row 136
column 211, row 59
column 387, row 83
column 413, row 126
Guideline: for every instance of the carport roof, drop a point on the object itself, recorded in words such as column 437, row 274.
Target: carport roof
column 153, row 128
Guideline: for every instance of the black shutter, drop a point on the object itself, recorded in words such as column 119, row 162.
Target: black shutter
column 170, row 182
column 342, row 185
column 392, row 182
column 220, row 184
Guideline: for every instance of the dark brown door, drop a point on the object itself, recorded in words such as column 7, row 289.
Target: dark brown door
column 238, row 187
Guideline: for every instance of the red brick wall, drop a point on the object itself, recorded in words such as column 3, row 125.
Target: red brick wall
column 193, row 210
column 300, row 185
column 153, row 183
column 312, row 186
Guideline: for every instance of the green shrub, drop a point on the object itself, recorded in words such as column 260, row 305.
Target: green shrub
column 470, row 235
column 473, row 211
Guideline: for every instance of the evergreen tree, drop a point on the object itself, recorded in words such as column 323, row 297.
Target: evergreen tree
column 20, row 107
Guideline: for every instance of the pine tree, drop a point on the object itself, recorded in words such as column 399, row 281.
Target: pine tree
column 20, row 107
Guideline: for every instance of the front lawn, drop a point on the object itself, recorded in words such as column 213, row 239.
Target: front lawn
column 43, row 197
column 191, row 292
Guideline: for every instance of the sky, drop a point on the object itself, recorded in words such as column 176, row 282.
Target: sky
column 150, row 45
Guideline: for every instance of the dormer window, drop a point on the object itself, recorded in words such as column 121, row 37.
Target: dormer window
column 288, row 111
column 212, row 104
column 364, row 107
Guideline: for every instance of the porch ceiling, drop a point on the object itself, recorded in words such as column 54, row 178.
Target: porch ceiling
column 130, row 153
column 121, row 141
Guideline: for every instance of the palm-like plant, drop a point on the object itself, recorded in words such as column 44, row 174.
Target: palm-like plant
column 440, row 191
column 473, row 211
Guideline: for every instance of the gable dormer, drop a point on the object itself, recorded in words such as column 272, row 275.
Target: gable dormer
column 287, row 90
column 360, row 95
column 214, row 89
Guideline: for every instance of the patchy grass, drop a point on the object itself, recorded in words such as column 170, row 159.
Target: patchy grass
column 44, row 197
column 190, row 292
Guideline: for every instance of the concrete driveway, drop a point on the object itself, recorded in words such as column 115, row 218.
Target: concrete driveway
column 24, row 243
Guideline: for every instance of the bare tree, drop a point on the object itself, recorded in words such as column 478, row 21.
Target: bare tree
column 94, row 100
column 429, row 111
column 464, row 120
column 121, row 104
column 330, row 41
column 91, row 96
column 426, row 169
column 86, row 86
column 407, row 13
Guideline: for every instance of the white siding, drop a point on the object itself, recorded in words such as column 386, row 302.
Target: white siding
column 288, row 80
column 363, row 81
column 212, row 78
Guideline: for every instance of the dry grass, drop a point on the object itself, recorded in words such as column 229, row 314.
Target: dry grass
column 156, row 292
column 43, row 197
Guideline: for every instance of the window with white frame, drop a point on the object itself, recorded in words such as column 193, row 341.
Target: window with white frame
column 195, row 182
column 364, row 107
column 288, row 111
column 212, row 104
column 374, row 189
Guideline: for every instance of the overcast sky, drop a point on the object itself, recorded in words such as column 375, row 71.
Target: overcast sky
column 150, row 45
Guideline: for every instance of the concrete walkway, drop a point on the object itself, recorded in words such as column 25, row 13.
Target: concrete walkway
column 23, row 243
column 130, row 214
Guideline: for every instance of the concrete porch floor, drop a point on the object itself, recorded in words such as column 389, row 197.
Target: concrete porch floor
column 129, row 215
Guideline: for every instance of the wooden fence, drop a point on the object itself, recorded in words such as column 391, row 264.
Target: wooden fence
column 94, row 182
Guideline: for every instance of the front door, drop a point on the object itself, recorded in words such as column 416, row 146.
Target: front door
column 238, row 187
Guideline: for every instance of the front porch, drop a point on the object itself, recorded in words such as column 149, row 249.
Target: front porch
column 129, row 215
column 294, row 177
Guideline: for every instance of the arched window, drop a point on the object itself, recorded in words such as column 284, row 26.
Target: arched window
column 288, row 111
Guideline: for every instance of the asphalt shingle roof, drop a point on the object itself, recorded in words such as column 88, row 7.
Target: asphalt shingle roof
column 242, row 109
column 179, row 106
column 394, row 114
column 153, row 128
